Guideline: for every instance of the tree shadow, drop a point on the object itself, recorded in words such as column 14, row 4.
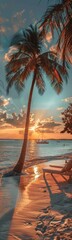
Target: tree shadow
column 11, row 189
column 59, row 197
column 9, row 192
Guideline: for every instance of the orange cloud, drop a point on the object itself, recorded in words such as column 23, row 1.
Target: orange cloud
column 7, row 55
column 4, row 102
column 48, row 37
column 2, row 29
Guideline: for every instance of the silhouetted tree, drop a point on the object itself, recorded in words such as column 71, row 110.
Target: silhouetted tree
column 67, row 119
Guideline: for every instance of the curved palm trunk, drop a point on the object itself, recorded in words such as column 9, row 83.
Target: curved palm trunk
column 19, row 166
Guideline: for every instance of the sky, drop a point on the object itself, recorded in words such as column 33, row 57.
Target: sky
column 45, row 117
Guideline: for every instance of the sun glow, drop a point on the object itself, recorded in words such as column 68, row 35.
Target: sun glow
column 34, row 128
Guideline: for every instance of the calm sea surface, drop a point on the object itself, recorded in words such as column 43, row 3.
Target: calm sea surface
column 10, row 150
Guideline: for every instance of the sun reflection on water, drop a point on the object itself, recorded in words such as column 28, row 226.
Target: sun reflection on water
column 36, row 172
column 32, row 150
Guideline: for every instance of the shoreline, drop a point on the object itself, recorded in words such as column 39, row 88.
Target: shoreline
column 65, row 156
column 40, row 160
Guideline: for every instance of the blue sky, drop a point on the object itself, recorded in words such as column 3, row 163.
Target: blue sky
column 15, row 15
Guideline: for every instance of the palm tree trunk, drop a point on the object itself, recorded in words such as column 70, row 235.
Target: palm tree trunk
column 19, row 166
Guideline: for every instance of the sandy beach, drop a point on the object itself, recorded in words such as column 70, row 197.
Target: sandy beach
column 36, row 208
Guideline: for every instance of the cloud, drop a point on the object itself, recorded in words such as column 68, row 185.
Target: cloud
column 48, row 37
column 32, row 120
column 7, row 55
column 60, row 108
column 18, row 20
column 2, row 29
column 2, row 117
column 4, row 101
column 15, row 120
column 47, row 125
column 51, row 124
column 20, row 13
column 46, row 131
column 67, row 100
column 12, row 24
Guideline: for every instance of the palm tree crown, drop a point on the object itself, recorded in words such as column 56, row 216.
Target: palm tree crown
column 59, row 18
column 29, row 58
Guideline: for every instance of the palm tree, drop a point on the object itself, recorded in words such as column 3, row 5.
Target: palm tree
column 30, row 58
column 59, row 18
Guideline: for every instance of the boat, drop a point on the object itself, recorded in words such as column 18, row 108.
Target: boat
column 42, row 141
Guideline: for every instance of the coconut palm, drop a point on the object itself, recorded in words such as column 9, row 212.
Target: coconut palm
column 59, row 18
column 30, row 58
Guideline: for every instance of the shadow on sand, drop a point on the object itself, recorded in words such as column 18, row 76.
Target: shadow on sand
column 10, row 192
column 60, row 199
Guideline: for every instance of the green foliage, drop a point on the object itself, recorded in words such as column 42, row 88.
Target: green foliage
column 67, row 119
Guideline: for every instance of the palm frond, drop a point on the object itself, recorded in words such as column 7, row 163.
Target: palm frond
column 19, row 86
column 23, row 62
column 54, row 70
column 14, row 78
column 14, row 65
column 65, row 41
column 18, row 38
column 52, row 18
column 18, row 75
column 27, row 70
column 55, row 17
column 39, row 81
column 28, row 40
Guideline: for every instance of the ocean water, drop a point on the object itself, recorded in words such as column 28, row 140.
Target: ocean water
column 10, row 150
